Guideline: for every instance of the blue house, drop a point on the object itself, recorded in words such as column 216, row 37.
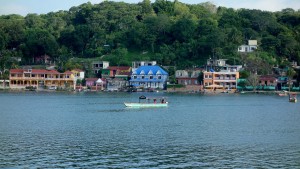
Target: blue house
column 149, row 77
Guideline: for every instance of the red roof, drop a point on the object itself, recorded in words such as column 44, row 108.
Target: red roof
column 16, row 71
column 34, row 71
column 124, row 73
column 267, row 77
column 78, row 70
column 68, row 72
column 91, row 79
column 118, row 67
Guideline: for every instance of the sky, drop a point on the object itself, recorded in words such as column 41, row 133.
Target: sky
column 23, row 7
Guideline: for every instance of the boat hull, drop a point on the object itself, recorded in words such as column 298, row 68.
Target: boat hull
column 146, row 104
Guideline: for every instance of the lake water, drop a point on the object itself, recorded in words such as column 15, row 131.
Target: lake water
column 95, row 130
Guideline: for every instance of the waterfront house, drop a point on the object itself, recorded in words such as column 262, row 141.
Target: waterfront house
column 41, row 78
column 282, row 83
column 95, row 84
column 187, row 77
column 224, row 79
column 115, row 71
column 149, row 77
column 117, row 77
column 267, row 82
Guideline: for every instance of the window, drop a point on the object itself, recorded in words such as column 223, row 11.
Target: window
column 151, row 77
column 159, row 77
column 143, row 77
column 134, row 77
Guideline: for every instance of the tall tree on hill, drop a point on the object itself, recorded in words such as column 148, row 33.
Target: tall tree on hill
column 40, row 42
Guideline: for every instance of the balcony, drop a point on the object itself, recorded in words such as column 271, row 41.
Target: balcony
column 39, row 78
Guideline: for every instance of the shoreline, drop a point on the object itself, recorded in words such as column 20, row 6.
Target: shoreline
column 211, row 92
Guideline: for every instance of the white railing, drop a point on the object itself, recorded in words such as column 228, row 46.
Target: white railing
column 39, row 78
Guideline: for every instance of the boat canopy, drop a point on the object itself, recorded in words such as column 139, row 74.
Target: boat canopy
column 142, row 97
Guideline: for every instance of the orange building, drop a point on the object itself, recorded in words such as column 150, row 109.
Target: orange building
column 220, row 80
column 41, row 78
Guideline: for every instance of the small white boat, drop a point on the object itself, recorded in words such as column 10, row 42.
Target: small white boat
column 154, row 103
column 146, row 104
column 283, row 93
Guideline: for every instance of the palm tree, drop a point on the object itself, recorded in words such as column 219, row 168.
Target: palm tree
column 6, row 63
column 290, row 73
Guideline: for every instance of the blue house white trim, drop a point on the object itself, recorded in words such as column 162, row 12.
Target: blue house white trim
column 149, row 77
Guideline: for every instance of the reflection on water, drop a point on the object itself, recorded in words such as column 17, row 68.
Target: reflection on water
column 95, row 130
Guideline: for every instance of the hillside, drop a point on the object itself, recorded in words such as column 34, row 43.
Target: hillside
column 172, row 33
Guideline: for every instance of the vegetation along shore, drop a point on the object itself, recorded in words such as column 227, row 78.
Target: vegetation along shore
column 103, row 47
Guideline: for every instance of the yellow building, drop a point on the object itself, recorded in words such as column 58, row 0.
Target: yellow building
column 220, row 80
column 41, row 78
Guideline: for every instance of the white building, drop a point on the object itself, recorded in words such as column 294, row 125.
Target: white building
column 137, row 64
column 216, row 62
column 99, row 65
column 252, row 46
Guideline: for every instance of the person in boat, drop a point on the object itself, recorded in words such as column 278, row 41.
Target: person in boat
column 154, row 100
column 292, row 97
column 162, row 100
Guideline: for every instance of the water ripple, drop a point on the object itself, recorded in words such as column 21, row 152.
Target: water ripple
column 97, row 131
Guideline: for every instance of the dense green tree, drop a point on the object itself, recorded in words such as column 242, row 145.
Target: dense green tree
column 183, row 30
column 40, row 42
column 172, row 32
column 34, row 21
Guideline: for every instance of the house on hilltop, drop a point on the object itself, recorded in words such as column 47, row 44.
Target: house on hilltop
column 99, row 65
column 252, row 46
